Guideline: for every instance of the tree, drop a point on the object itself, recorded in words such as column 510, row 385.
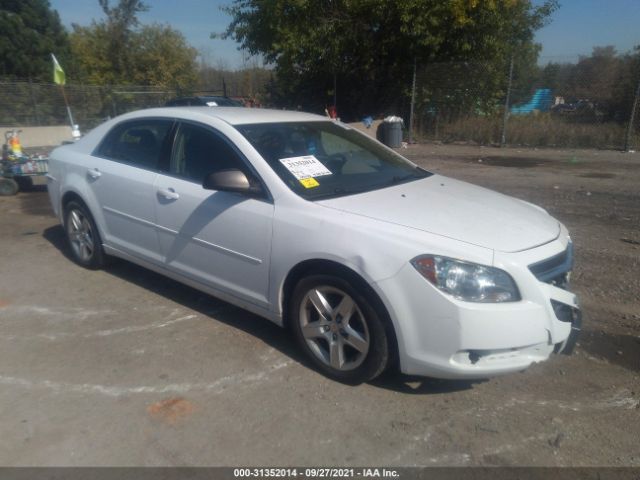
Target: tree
column 29, row 32
column 605, row 79
column 118, row 51
column 119, row 25
column 163, row 57
column 369, row 46
column 594, row 77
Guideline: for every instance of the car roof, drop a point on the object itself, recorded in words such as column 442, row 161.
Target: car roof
column 231, row 115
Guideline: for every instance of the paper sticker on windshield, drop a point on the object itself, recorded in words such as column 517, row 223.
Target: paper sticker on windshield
column 305, row 167
column 309, row 182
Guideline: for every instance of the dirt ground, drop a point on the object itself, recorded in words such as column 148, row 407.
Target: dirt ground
column 124, row 367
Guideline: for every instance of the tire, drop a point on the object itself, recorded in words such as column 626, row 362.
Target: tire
column 8, row 187
column 83, row 236
column 336, row 325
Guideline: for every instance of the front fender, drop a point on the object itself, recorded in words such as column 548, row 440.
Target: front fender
column 373, row 249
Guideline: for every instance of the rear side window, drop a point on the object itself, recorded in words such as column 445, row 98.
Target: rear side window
column 137, row 143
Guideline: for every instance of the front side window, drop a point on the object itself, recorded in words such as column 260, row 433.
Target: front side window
column 325, row 159
column 198, row 152
column 138, row 143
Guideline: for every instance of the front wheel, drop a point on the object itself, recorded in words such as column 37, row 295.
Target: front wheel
column 337, row 326
column 83, row 237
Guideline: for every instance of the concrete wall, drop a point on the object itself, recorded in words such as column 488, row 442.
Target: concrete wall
column 369, row 131
column 44, row 136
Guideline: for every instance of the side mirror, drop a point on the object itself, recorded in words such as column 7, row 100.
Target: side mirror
column 231, row 180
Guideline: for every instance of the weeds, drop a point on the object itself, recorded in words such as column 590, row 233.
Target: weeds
column 536, row 130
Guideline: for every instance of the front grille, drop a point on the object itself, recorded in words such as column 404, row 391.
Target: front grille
column 555, row 270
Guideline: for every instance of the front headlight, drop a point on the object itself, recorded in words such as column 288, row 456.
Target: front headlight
column 467, row 281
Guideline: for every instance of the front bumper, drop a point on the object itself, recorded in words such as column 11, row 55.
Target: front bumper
column 442, row 337
column 573, row 316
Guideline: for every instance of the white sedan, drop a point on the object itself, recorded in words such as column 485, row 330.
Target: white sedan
column 371, row 260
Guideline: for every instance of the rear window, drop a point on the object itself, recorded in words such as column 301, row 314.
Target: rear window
column 137, row 143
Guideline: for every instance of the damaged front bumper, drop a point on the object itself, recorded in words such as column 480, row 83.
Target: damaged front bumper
column 572, row 315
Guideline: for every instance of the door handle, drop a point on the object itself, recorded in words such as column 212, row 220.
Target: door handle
column 168, row 193
column 94, row 173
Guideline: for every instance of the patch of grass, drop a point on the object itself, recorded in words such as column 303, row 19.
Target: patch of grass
column 536, row 130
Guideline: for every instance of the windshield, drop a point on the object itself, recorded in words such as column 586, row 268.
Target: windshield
column 325, row 159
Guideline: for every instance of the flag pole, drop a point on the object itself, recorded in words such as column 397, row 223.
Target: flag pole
column 60, row 78
column 66, row 103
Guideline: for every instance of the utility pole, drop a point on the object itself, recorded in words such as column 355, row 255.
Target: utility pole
column 632, row 118
column 413, row 100
column 503, row 139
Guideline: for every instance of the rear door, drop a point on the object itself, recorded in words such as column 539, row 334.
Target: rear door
column 220, row 239
column 122, row 178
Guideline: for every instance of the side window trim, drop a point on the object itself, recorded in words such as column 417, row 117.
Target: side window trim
column 166, row 150
column 161, row 156
column 165, row 167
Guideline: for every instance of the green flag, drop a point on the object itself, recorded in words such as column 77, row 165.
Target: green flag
column 58, row 74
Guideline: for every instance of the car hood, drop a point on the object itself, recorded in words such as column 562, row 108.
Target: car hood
column 457, row 210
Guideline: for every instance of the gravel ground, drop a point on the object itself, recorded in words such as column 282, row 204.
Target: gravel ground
column 124, row 367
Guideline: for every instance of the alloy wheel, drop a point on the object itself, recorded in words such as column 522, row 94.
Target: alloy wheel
column 80, row 235
column 334, row 328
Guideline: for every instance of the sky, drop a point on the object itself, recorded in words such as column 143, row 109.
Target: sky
column 196, row 19
column 575, row 29
column 579, row 25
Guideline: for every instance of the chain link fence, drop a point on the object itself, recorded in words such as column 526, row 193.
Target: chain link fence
column 593, row 103
column 585, row 105
column 25, row 103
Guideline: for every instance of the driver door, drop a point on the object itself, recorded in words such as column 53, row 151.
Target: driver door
column 220, row 239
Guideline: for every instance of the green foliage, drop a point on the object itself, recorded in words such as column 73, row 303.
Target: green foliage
column 250, row 82
column 121, row 20
column 605, row 79
column 599, row 87
column 368, row 46
column 541, row 130
column 116, row 51
column 163, row 57
column 29, row 32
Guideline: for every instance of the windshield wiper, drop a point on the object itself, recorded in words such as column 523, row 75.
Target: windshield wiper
column 403, row 178
column 341, row 191
column 336, row 192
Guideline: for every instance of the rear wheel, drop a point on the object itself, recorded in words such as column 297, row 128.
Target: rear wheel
column 339, row 329
column 83, row 237
column 8, row 187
